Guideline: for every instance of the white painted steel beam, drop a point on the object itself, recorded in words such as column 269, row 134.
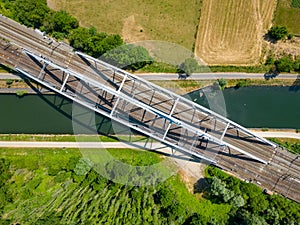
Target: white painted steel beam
column 158, row 113
column 124, row 122
column 201, row 108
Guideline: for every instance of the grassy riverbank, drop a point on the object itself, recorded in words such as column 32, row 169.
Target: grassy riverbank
column 292, row 145
column 70, row 138
column 178, row 86
column 186, row 86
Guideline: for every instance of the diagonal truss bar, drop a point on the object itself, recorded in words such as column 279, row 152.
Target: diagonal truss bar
column 201, row 108
column 127, row 98
column 224, row 132
column 65, row 81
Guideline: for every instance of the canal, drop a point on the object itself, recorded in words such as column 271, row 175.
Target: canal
column 259, row 107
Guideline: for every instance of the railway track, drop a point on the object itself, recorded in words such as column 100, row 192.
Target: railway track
column 280, row 174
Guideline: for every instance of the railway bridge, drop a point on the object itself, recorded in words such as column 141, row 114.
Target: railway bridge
column 149, row 109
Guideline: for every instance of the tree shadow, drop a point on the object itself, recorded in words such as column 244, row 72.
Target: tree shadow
column 296, row 85
column 269, row 39
column 271, row 74
column 201, row 186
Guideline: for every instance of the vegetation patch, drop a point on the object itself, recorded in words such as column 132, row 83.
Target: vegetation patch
column 288, row 16
column 21, row 93
column 292, row 145
column 249, row 204
column 62, row 187
column 295, row 4
column 70, row 138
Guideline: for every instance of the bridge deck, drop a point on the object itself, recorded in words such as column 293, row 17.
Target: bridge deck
column 149, row 109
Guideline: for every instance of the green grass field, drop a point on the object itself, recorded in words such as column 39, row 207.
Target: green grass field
column 169, row 20
column 288, row 14
column 70, row 138
column 43, row 189
column 58, row 186
column 292, row 145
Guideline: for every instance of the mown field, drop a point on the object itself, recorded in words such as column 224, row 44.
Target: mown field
column 288, row 14
column 231, row 32
column 169, row 20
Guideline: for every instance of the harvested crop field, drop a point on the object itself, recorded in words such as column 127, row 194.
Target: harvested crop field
column 231, row 32
column 169, row 20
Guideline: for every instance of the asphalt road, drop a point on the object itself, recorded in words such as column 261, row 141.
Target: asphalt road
column 212, row 76
column 196, row 76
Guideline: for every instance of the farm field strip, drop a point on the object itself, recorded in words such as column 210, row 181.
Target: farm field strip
column 231, row 32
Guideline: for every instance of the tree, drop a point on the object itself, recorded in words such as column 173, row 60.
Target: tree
column 244, row 217
column 176, row 212
column 31, row 13
column 128, row 57
column 238, row 201
column 278, row 32
column 222, row 82
column 284, row 64
column 217, row 187
column 165, row 197
column 92, row 42
column 61, row 22
column 196, row 219
column 189, row 66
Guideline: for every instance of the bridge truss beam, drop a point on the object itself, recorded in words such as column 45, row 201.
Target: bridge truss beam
column 128, row 103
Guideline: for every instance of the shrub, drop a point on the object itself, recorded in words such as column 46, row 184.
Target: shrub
column 9, row 82
column 278, row 32
column 21, row 93
column 284, row 64
column 83, row 167
column 270, row 60
column 222, row 82
column 243, row 83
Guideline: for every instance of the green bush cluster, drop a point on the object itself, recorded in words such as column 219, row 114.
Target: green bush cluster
column 285, row 63
column 278, row 32
column 295, row 3
column 249, row 204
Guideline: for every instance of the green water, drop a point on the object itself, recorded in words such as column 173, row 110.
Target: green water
column 48, row 114
column 261, row 107
column 266, row 107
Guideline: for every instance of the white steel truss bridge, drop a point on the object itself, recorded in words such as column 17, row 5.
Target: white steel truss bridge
column 148, row 108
